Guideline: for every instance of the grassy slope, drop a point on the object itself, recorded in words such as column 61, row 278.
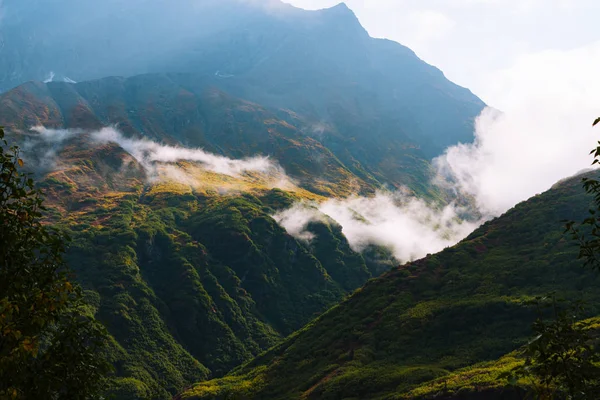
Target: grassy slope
column 426, row 319
column 188, row 280
column 189, row 283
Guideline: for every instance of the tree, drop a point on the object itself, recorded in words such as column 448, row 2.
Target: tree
column 561, row 361
column 50, row 345
column 587, row 232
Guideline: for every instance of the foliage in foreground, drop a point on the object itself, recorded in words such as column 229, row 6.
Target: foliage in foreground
column 561, row 362
column 50, row 344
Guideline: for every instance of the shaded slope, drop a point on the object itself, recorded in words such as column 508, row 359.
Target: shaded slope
column 189, row 283
column 421, row 321
column 373, row 103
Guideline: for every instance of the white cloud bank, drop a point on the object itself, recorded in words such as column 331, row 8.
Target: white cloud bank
column 549, row 101
column 149, row 153
column 408, row 226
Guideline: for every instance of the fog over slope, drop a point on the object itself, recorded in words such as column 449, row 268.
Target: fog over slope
column 542, row 135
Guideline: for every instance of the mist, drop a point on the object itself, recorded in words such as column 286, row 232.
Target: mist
column 543, row 134
column 41, row 150
column 537, row 132
column 148, row 153
column 411, row 228
column 152, row 155
column 88, row 42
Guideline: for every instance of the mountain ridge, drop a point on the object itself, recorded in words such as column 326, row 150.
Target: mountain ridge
column 320, row 64
column 186, row 265
column 184, row 109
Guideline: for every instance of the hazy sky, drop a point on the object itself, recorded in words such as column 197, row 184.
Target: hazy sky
column 472, row 39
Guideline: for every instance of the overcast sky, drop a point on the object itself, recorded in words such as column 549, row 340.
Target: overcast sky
column 470, row 40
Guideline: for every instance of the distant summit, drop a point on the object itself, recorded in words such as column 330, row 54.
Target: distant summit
column 341, row 16
column 341, row 9
column 388, row 112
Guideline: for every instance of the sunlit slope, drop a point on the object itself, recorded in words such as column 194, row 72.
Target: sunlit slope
column 426, row 319
column 190, row 274
column 159, row 108
column 191, row 277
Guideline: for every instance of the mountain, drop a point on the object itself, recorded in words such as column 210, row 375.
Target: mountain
column 190, row 280
column 403, row 335
column 382, row 111
column 192, row 277
column 182, row 258
column 191, row 110
column 179, row 110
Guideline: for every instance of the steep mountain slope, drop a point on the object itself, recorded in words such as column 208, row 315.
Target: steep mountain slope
column 373, row 103
column 426, row 319
column 194, row 279
column 192, row 114
column 189, row 282
column 187, row 109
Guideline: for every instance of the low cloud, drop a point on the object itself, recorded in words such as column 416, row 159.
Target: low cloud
column 544, row 133
column 43, row 148
column 148, row 153
column 411, row 228
column 155, row 158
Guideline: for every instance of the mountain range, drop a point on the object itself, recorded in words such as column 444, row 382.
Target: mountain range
column 373, row 103
column 167, row 136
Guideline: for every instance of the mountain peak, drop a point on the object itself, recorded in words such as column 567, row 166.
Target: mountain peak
column 341, row 5
column 342, row 15
column 340, row 9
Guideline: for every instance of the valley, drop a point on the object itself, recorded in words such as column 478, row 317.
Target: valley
column 257, row 205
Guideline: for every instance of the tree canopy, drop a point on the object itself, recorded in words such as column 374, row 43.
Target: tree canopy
column 50, row 345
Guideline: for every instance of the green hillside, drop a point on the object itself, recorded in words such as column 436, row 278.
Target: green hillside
column 426, row 319
column 189, row 282
column 158, row 107
column 193, row 280
column 203, row 294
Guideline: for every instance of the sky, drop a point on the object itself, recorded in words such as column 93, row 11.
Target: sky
column 471, row 40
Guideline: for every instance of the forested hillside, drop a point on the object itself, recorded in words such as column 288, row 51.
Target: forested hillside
column 404, row 334
column 189, row 282
column 182, row 260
